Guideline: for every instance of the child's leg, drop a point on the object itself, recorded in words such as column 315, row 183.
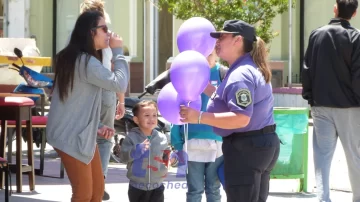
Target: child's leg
column 195, row 180
column 157, row 195
column 212, row 182
column 107, row 116
column 138, row 195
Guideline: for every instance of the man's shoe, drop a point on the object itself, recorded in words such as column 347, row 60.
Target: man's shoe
column 106, row 196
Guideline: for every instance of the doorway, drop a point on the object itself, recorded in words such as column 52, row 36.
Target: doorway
column 165, row 42
column 158, row 40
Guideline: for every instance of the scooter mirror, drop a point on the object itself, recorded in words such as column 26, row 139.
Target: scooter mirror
column 18, row 52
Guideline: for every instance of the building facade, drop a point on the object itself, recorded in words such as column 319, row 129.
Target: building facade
column 150, row 35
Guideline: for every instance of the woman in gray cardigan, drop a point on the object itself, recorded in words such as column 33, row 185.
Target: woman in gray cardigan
column 74, row 117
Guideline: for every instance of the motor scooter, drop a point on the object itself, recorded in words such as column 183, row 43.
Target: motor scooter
column 35, row 84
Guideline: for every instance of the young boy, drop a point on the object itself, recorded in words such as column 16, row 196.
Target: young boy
column 145, row 150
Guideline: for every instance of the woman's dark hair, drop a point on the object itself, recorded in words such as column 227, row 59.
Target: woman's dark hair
column 81, row 41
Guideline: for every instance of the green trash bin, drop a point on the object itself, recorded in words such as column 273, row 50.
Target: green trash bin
column 292, row 129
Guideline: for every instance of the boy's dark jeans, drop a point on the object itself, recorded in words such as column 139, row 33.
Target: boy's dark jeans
column 138, row 195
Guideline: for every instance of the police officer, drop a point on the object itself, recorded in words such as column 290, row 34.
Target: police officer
column 241, row 111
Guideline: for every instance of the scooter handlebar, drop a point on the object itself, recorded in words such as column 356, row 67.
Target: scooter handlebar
column 158, row 83
column 142, row 95
column 17, row 66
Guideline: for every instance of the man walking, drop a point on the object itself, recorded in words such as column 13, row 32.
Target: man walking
column 331, row 84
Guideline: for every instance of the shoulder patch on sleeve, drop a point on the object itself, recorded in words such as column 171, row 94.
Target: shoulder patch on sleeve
column 243, row 97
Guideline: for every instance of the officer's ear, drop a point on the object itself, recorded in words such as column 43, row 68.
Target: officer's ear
column 238, row 40
column 354, row 14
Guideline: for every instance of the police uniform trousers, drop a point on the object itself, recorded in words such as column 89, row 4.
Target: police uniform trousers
column 249, row 158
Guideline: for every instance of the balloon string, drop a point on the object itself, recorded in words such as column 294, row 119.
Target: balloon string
column 186, row 132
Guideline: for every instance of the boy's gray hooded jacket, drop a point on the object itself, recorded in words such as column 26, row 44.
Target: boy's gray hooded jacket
column 146, row 169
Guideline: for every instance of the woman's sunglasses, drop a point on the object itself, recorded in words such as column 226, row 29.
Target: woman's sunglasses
column 103, row 27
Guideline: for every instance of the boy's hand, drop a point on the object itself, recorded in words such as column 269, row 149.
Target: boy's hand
column 146, row 144
column 106, row 132
column 140, row 149
column 120, row 111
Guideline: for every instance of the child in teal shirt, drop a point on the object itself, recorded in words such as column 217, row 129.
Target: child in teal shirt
column 204, row 154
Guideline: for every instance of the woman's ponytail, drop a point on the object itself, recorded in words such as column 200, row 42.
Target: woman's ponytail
column 260, row 57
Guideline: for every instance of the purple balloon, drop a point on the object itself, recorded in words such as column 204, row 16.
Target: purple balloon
column 194, row 34
column 190, row 74
column 169, row 102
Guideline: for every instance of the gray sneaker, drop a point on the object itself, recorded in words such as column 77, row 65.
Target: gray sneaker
column 106, row 196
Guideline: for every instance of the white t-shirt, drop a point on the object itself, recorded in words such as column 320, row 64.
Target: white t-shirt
column 203, row 150
column 107, row 57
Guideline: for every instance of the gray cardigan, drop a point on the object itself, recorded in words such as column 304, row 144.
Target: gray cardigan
column 72, row 125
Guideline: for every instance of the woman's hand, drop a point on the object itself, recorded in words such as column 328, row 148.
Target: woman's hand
column 209, row 90
column 115, row 41
column 189, row 115
column 120, row 108
column 106, row 132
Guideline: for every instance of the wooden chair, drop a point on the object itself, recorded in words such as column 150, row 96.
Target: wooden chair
column 38, row 122
column 18, row 109
column 5, row 168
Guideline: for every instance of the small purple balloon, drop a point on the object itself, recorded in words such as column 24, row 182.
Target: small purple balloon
column 194, row 34
column 169, row 102
column 190, row 74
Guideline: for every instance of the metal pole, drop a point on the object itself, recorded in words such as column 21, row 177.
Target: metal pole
column 290, row 42
column 54, row 29
column 6, row 19
column 302, row 46
column 145, row 43
column 156, row 40
column 151, row 42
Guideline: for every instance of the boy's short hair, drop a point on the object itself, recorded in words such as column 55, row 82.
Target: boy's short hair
column 346, row 8
column 142, row 104
column 93, row 5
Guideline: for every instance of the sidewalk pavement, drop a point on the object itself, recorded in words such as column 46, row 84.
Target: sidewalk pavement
column 54, row 189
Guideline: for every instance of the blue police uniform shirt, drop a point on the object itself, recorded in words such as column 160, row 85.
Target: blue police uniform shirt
column 244, row 91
